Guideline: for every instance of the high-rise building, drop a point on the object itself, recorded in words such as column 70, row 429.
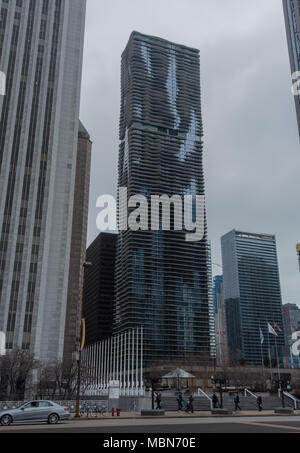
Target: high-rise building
column 252, row 296
column 78, row 244
column 220, row 322
column 41, row 47
column 291, row 10
column 162, row 281
column 291, row 318
column 298, row 253
column 98, row 293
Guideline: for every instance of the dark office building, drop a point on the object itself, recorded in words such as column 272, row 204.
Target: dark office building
column 252, row 295
column 162, row 281
column 98, row 291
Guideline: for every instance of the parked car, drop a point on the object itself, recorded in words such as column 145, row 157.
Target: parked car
column 35, row 411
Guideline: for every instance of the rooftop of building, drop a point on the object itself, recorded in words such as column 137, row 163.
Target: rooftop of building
column 82, row 129
column 157, row 39
column 255, row 236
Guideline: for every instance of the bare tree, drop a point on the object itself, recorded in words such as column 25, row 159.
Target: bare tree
column 59, row 381
column 16, row 369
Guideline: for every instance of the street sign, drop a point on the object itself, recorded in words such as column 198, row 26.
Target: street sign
column 114, row 390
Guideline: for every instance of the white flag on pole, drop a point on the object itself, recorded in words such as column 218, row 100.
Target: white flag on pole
column 271, row 330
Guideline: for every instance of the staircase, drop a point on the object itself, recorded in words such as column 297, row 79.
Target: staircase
column 170, row 404
column 248, row 403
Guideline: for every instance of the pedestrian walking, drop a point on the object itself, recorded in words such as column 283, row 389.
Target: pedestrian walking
column 180, row 401
column 190, row 405
column 187, row 405
column 215, row 401
column 259, row 403
column 158, row 401
column 237, row 402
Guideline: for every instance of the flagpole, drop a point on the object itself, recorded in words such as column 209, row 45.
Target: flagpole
column 277, row 359
column 270, row 356
column 261, row 350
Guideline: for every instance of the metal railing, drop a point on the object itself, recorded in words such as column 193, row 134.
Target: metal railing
column 201, row 392
column 295, row 401
column 250, row 393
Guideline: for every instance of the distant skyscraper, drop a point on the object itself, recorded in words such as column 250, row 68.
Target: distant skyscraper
column 291, row 317
column 298, row 254
column 220, row 321
column 252, row 295
column 162, row 281
column 98, row 294
column 78, row 243
column 292, row 22
column 41, row 47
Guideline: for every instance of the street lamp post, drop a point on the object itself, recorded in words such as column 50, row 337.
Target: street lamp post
column 81, row 342
column 282, row 381
column 219, row 380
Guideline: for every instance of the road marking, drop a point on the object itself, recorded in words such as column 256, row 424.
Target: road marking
column 270, row 426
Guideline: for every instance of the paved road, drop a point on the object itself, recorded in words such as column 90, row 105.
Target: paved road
column 280, row 424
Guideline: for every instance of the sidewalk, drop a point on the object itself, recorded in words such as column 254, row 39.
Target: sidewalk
column 202, row 414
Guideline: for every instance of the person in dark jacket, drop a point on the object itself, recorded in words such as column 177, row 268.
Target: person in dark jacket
column 192, row 404
column 158, row 401
column 215, row 401
column 259, row 403
column 180, row 401
column 237, row 402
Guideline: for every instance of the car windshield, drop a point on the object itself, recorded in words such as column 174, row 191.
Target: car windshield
column 23, row 405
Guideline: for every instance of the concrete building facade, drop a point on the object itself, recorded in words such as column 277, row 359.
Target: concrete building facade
column 41, row 47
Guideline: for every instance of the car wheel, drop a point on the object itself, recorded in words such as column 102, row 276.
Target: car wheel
column 6, row 420
column 53, row 419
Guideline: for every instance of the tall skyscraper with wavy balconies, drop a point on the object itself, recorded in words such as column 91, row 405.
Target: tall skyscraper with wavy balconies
column 291, row 10
column 41, row 47
column 163, row 282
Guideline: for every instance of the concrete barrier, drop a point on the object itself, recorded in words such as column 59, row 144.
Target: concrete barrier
column 284, row 410
column 221, row 412
column 152, row 413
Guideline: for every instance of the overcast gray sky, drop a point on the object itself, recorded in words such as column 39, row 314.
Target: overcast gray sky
column 252, row 149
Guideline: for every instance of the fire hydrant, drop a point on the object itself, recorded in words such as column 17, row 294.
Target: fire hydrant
column 118, row 412
column 112, row 412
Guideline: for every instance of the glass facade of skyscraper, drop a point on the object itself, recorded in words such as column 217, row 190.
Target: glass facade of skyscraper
column 163, row 281
column 252, row 296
